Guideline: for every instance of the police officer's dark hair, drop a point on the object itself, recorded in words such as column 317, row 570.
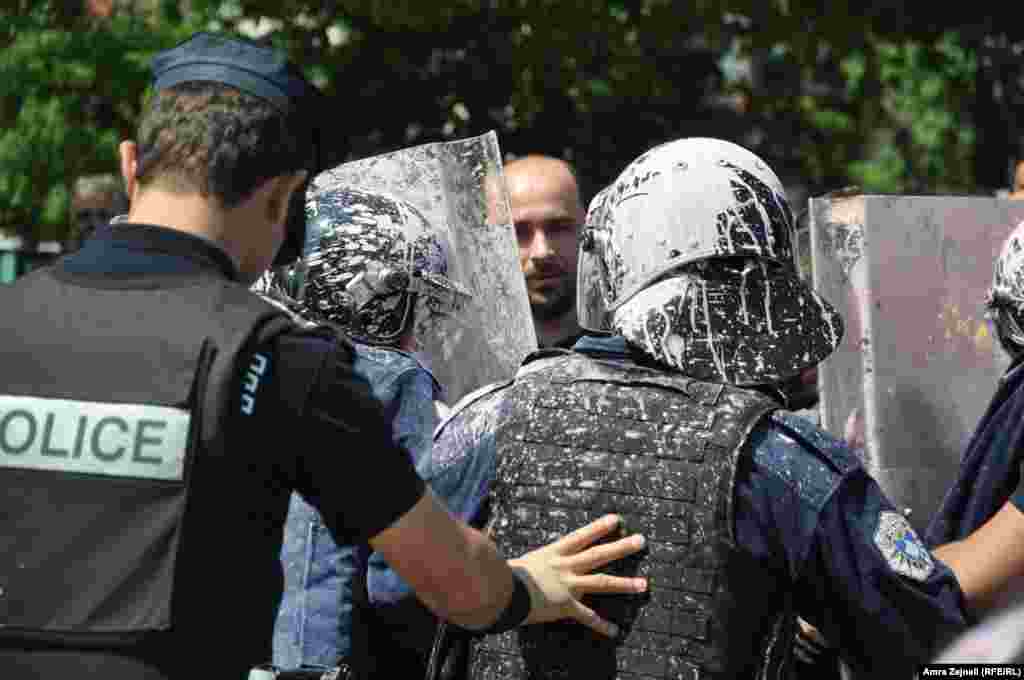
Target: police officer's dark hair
column 214, row 139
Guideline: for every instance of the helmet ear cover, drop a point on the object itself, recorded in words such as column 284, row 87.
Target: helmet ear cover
column 742, row 321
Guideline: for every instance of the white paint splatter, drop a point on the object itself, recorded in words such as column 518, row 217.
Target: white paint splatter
column 715, row 355
column 827, row 316
column 736, row 221
column 764, row 215
column 743, row 293
column 768, row 301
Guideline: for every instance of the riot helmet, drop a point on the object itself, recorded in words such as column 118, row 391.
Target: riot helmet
column 1005, row 301
column 689, row 255
column 374, row 265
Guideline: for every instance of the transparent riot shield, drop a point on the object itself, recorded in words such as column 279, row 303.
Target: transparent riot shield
column 918, row 363
column 459, row 187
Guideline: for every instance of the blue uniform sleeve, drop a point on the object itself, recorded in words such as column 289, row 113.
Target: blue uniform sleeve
column 861, row 574
column 463, row 460
column 415, row 416
column 870, row 584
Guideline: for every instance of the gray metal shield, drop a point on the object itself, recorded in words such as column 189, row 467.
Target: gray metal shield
column 919, row 363
column 461, row 185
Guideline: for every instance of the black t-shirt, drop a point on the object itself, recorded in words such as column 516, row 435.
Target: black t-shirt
column 336, row 450
column 339, row 453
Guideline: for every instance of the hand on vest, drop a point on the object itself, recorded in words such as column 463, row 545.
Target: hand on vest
column 559, row 574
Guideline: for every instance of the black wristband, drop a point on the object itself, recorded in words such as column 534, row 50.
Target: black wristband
column 518, row 606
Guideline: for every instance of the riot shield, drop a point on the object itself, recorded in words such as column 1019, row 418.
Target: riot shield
column 459, row 187
column 919, row 362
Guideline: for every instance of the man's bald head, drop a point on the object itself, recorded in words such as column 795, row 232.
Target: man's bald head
column 547, row 212
column 537, row 173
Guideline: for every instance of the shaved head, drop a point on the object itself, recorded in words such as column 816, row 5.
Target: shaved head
column 532, row 174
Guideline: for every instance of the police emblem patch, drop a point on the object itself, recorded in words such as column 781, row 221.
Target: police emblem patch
column 901, row 547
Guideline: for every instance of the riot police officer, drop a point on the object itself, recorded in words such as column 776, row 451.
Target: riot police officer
column 155, row 414
column 672, row 412
column 375, row 266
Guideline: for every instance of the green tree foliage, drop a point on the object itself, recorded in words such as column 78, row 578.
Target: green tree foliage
column 914, row 98
column 596, row 82
column 70, row 90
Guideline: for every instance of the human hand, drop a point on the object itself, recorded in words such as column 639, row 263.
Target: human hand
column 559, row 574
column 813, row 655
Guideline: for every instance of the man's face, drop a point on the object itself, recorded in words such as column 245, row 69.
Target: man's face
column 547, row 213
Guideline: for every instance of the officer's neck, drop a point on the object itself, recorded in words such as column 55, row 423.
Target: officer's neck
column 191, row 213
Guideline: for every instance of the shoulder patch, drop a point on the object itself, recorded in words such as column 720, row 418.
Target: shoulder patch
column 903, row 550
column 469, row 399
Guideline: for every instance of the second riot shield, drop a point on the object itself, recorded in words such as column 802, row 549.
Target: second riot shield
column 919, row 363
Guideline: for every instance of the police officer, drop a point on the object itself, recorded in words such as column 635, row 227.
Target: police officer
column 368, row 258
column 980, row 524
column 672, row 412
column 155, row 415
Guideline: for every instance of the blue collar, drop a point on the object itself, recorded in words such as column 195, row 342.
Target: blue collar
column 602, row 344
column 128, row 249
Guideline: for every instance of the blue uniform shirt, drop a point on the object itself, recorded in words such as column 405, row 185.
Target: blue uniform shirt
column 990, row 468
column 314, row 623
column 804, row 508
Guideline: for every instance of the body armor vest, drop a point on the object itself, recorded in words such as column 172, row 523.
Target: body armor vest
column 584, row 437
column 111, row 402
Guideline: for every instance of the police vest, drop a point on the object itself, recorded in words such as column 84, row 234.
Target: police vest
column 583, row 437
column 110, row 398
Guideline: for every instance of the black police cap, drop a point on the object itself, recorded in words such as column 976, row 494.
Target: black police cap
column 254, row 69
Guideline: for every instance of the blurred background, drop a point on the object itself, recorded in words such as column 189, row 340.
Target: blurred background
column 908, row 97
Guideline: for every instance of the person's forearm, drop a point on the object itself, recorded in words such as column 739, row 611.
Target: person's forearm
column 989, row 562
column 455, row 570
column 487, row 584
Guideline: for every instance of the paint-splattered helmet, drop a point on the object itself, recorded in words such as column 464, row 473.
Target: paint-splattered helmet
column 374, row 265
column 689, row 255
column 1006, row 298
